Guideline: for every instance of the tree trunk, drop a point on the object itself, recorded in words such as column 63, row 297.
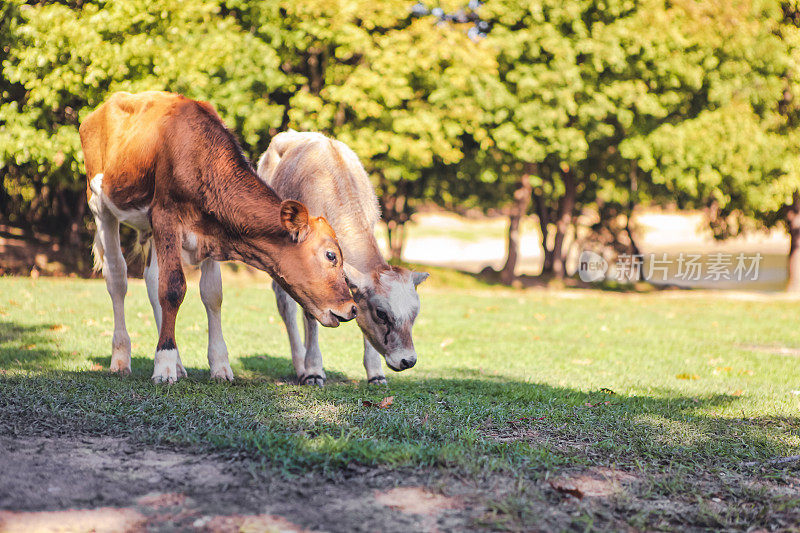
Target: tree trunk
column 793, row 225
column 76, row 225
column 522, row 199
column 635, row 251
column 395, row 232
column 544, row 224
column 396, row 213
column 565, row 209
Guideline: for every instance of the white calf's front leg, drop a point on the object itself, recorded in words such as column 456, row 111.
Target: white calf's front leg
column 115, row 271
column 211, row 294
column 314, row 374
column 151, row 281
column 287, row 308
column 372, row 363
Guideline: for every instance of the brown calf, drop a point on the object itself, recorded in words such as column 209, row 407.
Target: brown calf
column 167, row 166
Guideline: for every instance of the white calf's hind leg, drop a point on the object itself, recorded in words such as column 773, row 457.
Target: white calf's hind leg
column 151, row 281
column 314, row 374
column 211, row 294
column 115, row 272
column 287, row 308
column 372, row 363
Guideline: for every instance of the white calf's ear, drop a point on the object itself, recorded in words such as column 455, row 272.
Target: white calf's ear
column 294, row 219
column 419, row 277
column 354, row 277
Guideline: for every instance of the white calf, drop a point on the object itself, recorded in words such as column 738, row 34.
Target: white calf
column 328, row 178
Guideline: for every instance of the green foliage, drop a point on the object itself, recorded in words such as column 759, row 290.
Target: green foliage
column 724, row 146
column 66, row 61
column 614, row 103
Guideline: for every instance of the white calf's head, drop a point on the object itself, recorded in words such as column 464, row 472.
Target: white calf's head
column 388, row 305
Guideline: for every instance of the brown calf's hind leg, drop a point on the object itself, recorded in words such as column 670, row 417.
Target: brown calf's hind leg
column 211, row 294
column 171, row 290
column 108, row 252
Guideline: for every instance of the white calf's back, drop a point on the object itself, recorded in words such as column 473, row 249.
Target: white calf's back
column 327, row 176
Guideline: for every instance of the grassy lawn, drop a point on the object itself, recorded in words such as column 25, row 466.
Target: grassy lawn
column 672, row 396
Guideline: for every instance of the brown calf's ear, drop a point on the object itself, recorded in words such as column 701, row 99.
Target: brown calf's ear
column 419, row 277
column 294, row 219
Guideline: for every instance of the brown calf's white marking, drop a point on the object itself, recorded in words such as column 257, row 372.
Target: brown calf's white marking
column 328, row 178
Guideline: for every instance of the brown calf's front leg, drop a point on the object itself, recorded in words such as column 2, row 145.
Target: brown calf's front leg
column 171, row 290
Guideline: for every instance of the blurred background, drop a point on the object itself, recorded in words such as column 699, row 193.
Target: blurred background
column 503, row 137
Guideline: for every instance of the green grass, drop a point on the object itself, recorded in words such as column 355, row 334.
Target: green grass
column 667, row 385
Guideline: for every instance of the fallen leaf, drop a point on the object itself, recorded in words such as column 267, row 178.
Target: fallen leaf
column 386, row 402
column 445, row 343
column 95, row 366
column 607, row 390
column 738, row 392
column 567, row 488
column 688, row 376
column 58, row 327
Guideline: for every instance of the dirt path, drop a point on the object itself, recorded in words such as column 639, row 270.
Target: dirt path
column 111, row 484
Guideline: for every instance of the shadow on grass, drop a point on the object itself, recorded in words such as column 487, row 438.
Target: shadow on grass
column 26, row 347
column 466, row 421
column 281, row 369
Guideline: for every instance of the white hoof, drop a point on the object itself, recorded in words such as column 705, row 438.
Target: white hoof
column 181, row 371
column 120, row 365
column 121, row 354
column 222, row 372
column 166, row 367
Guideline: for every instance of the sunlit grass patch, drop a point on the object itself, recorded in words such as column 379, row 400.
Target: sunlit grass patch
column 507, row 380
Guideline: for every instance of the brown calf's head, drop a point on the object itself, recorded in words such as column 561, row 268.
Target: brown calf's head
column 388, row 305
column 310, row 269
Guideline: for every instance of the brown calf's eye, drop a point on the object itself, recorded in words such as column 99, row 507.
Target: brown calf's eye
column 330, row 256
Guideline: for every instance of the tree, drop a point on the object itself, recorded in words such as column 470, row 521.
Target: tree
column 397, row 85
column 728, row 150
column 569, row 90
column 64, row 61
